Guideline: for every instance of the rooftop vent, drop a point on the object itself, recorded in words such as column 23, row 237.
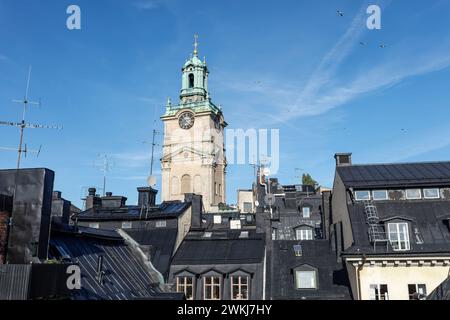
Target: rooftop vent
column 343, row 159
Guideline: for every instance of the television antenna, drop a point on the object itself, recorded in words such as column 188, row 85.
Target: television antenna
column 23, row 124
column 105, row 166
column 151, row 180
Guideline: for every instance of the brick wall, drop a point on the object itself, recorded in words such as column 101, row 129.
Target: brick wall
column 4, row 215
column 5, row 212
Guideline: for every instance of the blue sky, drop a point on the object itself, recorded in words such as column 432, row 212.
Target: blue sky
column 290, row 65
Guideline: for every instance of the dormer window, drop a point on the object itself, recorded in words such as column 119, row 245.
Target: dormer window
column 412, row 194
column 191, row 80
column 431, row 193
column 304, row 233
column 305, row 277
column 379, row 195
column 399, row 236
column 362, row 195
column 306, row 211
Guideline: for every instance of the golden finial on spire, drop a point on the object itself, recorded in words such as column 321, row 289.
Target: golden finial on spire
column 195, row 44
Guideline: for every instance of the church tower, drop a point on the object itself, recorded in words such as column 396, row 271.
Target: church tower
column 193, row 157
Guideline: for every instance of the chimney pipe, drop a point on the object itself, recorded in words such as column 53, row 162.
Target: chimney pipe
column 196, row 209
column 146, row 196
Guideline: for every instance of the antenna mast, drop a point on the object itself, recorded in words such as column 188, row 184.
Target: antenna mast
column 22, row 125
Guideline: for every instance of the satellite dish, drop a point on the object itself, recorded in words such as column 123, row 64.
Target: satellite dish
column 266, row 171
column 151, row 181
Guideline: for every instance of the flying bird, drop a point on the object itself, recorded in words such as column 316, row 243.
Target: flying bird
column 382, row 46
column 362, row 43
column 340, row 13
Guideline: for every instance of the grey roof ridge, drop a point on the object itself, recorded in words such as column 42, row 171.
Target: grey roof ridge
column 393, row 163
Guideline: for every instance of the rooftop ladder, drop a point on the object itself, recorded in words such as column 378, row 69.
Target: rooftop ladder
column 375, row 230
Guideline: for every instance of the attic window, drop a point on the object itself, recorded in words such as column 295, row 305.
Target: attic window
column 305, row 279
column 431, row 193
column 362, row 195
column 306, row 211
column 379, row 194
column 160, row 223
column 244, row 234
column 298, row 250
column 412, row 194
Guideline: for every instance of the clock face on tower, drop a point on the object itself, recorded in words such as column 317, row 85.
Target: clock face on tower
column 186, row 120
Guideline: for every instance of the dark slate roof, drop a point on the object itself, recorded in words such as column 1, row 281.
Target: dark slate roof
column 428, row 216
column 168, row 209
column 395, row 175
column 332, row 278
column 161, row 244
column 224, row 247
column 126, row 276
column 442, row 292
column 14, row 281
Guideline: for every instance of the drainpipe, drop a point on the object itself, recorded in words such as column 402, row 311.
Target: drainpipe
column 364, row 259
column 264, row 274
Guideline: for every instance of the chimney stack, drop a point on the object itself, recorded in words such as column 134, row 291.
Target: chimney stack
column 92, row 200
column 343, row 159
column 196, row 209
column 147, row 196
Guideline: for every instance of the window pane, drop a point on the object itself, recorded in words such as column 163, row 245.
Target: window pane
column 305, row 279
column 306, row 212
column 362, row 195
column 413, row 194
column 379, row 195
column 431, row 193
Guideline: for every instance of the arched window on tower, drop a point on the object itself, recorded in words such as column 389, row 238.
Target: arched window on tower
column 186, row 184
column 191, row 80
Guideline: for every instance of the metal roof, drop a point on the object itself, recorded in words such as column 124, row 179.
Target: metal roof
column 14, row 281
column 169, row 209
column 395, row 175
column 221, row 248
column 125, row 274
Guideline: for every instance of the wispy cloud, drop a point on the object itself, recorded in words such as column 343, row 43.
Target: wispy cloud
column 146, row 4
column 327, row 89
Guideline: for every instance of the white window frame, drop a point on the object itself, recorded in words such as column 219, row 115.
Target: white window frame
column 313, row 278
column 376, row 295
column 217, row 219
column 183, row 285
column 304, row 234
column 211, row 287
column 428, row 189
column 406, row 242
column 127, row 225
column 380, row 199
column 161, row 223
column 308, row 209
column 358, row 199
column 413, row 198
column 94, row 225
column 240, row 287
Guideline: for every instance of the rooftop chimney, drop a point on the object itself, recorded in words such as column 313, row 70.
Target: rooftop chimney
column 147, row 196
column 196, row 209
column 343, row 159
column 92, row 200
